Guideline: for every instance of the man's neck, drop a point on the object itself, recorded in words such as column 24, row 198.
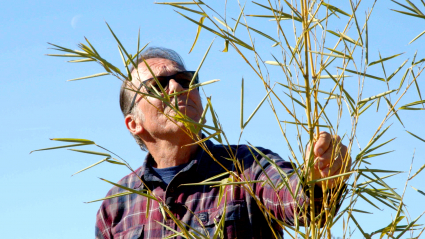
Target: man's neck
column 168, row 153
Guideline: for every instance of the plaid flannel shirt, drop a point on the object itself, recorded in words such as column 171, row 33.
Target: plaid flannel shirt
column 200, row 206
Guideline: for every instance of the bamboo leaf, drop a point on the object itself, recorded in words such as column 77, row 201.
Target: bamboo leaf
column 224, row 24
column 416, row 38
column 274, row 63
column 414, row 135
column 333, row 8
column 332, row 55
column 396, row 71
column 261, row 33
column 90, row 152
column 83, row 141
column 344, row 37
column 408, row 8
column 112, row 196
column 91, row 76
column 375, row 155
column 385, row 59
column 305, row 124
column 198, row 32
column 242, row 98
column 419, row 191
column 256, row 109
column 393, row 110
column 60, row 147
column 297, row 101
column 187, row 9
column 376, row 96
column 415, row 8
column 417, row 172
column 235, row 39
column 181, row 3
column 115, row 162
column 377, row 170
column 101, row 161
column 410, row 14
column 130, row 190
column 81, row 60
column 329, row 178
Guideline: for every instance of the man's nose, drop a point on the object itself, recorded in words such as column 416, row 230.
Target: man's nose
column 174, row 86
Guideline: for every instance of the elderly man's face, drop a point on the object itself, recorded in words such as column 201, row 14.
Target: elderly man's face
column 155, row 112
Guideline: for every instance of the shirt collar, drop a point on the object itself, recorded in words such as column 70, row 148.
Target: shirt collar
column 200, row 163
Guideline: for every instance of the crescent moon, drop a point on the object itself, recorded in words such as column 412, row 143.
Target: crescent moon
column 75, row 20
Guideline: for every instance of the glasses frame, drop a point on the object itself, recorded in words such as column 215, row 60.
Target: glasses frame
column 168, row 78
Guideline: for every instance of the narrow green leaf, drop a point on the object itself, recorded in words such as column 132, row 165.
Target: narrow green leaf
column 416, row 38
column 376, row 96
column 344, row 37
column 92, row 76
column 131, row 190
column 101, row 161
column 64, row 55
column 239, row 18
column 112, row 196
column 115, row 162
column 187, row 9
column 403, row 78
column 416, row 9
column 357, row 210
column 377, row 170
column 332, row 55
column 81, row 60
column 90, row 152
column 198, row 32
column 201, row 63
column 366, row 236
column 419, row 191
column 335, row 9
column 259, row 32
column 410, row 14
column 329, row 178
column 408, row 8
column 181, row 3
column 375, row 155
column 274, row 63
column 224, row 24
column 305, row 124
column 297, row 101
column 256, row 109
column 417, row 172
column 355, row 20
column 385, row 59
column 409, row 226
column 60, row 147
column 242, row 98
column 85, row 141
column 396, row 71
column 234, row 39
column 414, row 135
column 393, row 110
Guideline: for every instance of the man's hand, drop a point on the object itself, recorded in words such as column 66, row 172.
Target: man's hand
column 330, row 158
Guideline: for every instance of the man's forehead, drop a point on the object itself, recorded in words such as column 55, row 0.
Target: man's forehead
column 159, row 66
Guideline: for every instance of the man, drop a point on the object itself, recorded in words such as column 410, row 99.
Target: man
column 170, row 163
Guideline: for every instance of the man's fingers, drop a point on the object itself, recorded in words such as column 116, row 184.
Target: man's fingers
column 322, row 143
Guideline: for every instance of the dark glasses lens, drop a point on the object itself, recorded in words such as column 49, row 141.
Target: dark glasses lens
column 183, row 78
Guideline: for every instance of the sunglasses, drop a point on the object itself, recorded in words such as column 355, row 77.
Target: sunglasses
column 183, row 78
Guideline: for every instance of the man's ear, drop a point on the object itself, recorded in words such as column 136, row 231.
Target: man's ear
column 133, row 125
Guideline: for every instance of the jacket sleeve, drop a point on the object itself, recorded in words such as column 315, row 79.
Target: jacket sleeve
column 281, row 194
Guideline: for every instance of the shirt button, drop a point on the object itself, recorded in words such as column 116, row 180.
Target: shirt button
column 171, row 190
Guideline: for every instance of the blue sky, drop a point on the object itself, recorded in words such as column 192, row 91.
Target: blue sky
column 40, row 199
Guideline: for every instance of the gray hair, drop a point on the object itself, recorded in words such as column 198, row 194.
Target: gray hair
column 126, row 96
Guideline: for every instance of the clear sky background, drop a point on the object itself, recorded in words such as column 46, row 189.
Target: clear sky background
column 39, row 197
